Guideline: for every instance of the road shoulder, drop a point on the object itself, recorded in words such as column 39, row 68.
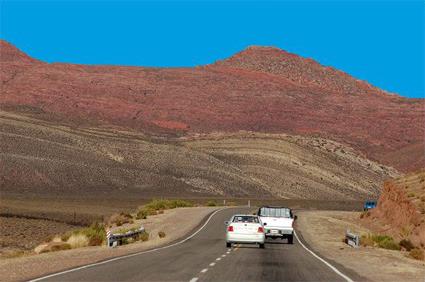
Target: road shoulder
column 28, row 267
column 325, row 231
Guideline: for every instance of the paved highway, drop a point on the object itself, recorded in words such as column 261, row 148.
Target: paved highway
column 204, row 257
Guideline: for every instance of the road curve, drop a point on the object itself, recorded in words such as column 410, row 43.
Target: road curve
column 204, row 257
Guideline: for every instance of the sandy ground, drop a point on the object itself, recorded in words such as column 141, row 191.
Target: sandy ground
column 24, row 268
column 324, row 231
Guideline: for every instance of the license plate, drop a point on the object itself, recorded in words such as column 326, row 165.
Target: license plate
column 274, row 231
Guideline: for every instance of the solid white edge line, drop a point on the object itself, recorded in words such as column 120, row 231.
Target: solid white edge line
column 131, row 255
column 348, row 279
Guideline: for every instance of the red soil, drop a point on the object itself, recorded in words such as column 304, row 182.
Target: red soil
column 401, row 209
column 260, row 89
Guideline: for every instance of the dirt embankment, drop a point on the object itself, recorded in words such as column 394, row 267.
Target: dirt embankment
column 324, row 232
column 401, row 209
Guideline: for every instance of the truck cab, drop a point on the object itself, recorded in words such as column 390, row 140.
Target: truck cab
column 278, row 222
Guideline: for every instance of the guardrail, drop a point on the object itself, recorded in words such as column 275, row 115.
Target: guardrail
column 352, row 239
column 113, row 240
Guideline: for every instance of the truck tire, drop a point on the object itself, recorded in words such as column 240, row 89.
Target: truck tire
column 228, row 245
column 261, row 246
column 291, row 239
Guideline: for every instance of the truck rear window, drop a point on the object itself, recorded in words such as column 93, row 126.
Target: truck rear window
column 275, row 212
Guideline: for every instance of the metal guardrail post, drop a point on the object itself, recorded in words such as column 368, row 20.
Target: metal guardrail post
column 352, row 239
column 113, row 239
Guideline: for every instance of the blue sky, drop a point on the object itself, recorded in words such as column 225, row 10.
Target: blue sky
column 381, row 41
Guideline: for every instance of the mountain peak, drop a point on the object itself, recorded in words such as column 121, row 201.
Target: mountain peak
column 304, row 71
column 9, row 53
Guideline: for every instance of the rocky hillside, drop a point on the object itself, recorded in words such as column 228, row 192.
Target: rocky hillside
column 401, row 209
column 260, row 89
column 53, row 160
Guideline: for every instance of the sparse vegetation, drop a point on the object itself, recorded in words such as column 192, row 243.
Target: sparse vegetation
column 158, row 206
column 411, row 195
column 365, row 214
column 141, row 214
column 167, row 204
column 381, row 241
column 120, row 219
column 144, row 236
column 417, row 253
column 96, row 234
column 366, row 241
column 406, row 244
column 161, row 234
column 78, row 240
column 211, row 203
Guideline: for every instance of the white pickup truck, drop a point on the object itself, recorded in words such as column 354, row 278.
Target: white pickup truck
column 278, row 222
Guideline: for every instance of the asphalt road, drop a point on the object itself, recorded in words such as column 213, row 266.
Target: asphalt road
column 205, row 257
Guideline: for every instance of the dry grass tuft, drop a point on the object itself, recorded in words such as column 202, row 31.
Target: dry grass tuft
column 417, row 253
column 78, row 241
column 161, row 234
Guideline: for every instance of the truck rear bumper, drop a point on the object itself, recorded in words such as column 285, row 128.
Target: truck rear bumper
column 279, row 232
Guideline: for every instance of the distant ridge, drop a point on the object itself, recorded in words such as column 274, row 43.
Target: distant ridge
column 9, row 53
column 297, row 69
column 261, row 89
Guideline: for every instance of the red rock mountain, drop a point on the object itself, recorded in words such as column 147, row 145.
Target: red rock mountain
column 259, row 89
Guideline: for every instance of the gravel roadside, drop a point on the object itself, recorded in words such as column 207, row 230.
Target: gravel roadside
column 325, row 230
column 27, row 267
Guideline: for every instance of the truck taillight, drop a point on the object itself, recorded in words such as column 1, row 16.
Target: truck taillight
column 230, row 228
column 260, row 230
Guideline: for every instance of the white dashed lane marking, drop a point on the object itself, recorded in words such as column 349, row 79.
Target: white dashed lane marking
column 212, row 264
column 204, row 270
column 194, row 279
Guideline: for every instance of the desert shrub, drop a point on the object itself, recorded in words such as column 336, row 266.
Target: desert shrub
column 389, row 244
column 65, row 236
column 211, row 204
column 120, row 219
column 95, row 235
column 144, row 236
column 416, row 253
column 78, row 240
column 125, row 230
column 411, row 195
column 160, row 211
column 381, row 241
column 365, row 214
column 367, row 241
column 60, row 247
column 161, row 234
column 141, row 214
column 406, row 244
column 167, row 204
column 144, row 212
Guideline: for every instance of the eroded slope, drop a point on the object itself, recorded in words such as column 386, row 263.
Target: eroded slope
column 47, row 159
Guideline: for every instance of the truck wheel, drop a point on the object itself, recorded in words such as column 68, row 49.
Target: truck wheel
column 261, row 246
column 228, row 245
column 291, row 239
